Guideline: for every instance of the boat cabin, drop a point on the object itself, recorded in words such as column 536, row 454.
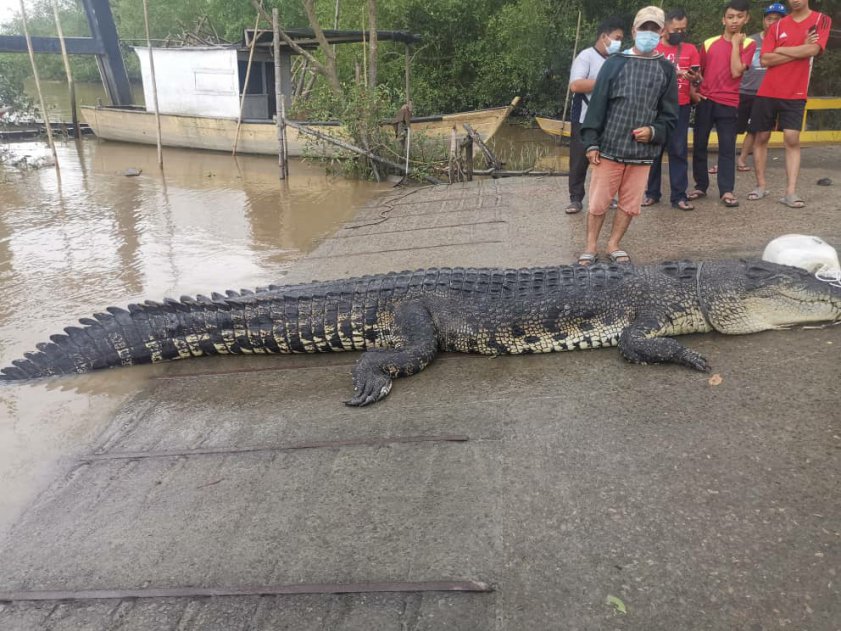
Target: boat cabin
column 210, row 80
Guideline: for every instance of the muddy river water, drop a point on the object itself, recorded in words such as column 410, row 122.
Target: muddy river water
column 76, row 241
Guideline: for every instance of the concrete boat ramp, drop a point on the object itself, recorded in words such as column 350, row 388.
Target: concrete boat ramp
column 566, row 491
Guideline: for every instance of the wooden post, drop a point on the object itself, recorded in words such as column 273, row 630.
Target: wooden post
column 280, row 110
column 408, row 73
column 154, row 85
column 468, row 157
column 38, row 83
column 247, row 76
column 453, row 162
column 72, row 86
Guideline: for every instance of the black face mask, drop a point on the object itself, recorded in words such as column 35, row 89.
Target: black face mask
column 675, row 39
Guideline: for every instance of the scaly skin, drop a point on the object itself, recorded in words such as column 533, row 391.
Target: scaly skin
column 401, row 320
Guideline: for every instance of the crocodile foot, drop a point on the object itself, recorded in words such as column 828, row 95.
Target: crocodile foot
column 375, row 386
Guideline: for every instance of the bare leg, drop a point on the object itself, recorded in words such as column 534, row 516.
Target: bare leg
column 594, row 227
column 747, row 148
column 760, row 157
column 791, row 137
column 621, row 221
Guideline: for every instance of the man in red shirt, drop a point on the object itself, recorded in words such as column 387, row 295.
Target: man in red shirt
column 685, row 57
column 787, row 51
column 724, row 59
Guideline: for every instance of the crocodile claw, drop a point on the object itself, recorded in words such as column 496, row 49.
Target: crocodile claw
column 373, row 389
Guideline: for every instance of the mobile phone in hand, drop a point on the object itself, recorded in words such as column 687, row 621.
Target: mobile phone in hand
column 813, row 29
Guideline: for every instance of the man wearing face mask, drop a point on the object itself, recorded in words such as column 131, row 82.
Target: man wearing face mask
column 685, row 57
column 633, row 110
column 582, row 79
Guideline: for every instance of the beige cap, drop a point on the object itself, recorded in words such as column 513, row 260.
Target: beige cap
column 650, row 14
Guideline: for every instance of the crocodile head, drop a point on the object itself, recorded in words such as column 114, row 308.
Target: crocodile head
column 750, row 296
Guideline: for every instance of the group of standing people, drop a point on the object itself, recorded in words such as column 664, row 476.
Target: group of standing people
column 631, row 106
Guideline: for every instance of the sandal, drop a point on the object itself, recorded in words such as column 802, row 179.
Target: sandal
column 793, row 201
column 696, row 194
column 649, row 201
column 574, row 207
column 729, row 200
column 744, row 168
column 684, row 205
column 757, row 194
column 713, row 169
column 586, row 259
column 619, row 256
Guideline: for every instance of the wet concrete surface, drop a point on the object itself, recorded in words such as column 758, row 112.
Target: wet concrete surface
column 582, row 477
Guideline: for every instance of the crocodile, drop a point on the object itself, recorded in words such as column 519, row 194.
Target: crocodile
column 401, row 320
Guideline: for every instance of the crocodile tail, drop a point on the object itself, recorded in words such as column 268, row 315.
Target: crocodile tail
column 147, row 333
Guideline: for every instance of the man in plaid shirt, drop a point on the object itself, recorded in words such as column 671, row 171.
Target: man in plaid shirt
column 633, row 109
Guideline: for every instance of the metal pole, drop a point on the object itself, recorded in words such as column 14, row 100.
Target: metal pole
column 70, row 83
column 245, row 87
column 154, row 84
column 280, row 110
column 38, row 83
column 574, row 53
column 408, row 72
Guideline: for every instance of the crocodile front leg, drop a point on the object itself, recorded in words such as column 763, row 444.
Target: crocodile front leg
column 415, row 346
column 638, row 345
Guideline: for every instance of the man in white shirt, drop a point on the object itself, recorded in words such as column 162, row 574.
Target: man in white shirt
column 582, row 80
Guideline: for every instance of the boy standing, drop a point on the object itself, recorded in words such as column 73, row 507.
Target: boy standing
column 751, row 81
column 787, row 52
column 685, row 57
column 724, row 59
column 582, row 79
column 633, row 109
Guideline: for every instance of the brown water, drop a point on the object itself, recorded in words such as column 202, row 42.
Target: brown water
column 74, row 244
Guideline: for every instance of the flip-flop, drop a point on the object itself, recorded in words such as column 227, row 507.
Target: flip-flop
column 743, row 168
column 649, row 201
column 757, row 194
column 729, row 200
column 713, row 170
column 684, row 205
column 793, row 201
column 586, row 259
column 619, row 256
column 696, row 194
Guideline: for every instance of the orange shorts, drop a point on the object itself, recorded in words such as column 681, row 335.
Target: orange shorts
column 609, row 178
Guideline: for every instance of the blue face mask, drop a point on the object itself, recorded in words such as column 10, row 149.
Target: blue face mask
column 614, row 46
column 646, row 41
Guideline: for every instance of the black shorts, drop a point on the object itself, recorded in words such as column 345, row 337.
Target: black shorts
column 770, row 114
column 745, row 107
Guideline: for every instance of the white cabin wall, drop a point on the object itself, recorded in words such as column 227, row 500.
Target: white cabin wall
column 198, row 82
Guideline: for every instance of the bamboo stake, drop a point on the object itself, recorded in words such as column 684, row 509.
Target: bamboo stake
column 245, row 87
column 70, row 83
column 408, row 72
column 280, row 108
column 38, row 83
column 154, row 85
column 574, row 53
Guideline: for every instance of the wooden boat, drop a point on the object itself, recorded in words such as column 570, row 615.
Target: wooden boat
column 135, row 124
column 555, row 127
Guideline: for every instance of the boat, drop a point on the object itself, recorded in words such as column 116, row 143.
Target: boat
column 555, row 127
column 200, row 100
column 216, row 133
